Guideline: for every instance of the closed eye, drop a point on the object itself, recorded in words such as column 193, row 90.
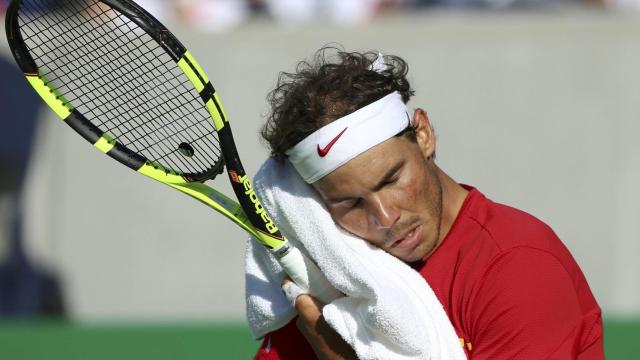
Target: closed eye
column 390, row 181
column 390, row 177
column 348, row 203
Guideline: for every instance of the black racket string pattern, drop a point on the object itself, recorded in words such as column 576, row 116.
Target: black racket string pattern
column 120, row 79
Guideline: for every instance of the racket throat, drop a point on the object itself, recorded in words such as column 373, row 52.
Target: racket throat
column 282, row 250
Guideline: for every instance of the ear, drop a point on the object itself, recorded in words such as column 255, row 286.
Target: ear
column 425, row 136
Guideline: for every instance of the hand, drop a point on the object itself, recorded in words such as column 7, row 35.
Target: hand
column 326, row 343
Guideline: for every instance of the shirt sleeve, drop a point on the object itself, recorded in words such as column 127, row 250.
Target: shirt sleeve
column 286, row 343
column 526, row 306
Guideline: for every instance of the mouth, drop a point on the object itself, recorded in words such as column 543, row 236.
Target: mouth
column 409, row 240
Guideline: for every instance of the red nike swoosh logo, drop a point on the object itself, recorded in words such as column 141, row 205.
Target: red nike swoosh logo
column 325, row 150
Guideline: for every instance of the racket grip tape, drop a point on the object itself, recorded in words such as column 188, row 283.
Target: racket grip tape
column 306, row 274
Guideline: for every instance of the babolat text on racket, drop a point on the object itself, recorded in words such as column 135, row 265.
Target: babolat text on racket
column 122, row 81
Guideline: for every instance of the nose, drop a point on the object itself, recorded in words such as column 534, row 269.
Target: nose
column 383, row 214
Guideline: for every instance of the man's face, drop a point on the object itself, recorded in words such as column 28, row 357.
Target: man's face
column 390, row 196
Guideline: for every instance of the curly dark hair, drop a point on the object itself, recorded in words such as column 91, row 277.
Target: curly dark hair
column 335, row 83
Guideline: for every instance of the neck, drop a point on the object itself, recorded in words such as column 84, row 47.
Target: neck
column 453, row 196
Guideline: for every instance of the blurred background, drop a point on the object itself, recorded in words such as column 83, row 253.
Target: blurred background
column 535, row 102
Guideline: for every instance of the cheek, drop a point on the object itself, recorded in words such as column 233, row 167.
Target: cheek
column 412, row 194
column 420, row 194
column 354, row 221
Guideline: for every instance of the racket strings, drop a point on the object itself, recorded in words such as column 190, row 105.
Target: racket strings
column 144, row 55
column 127, row 128
column 130, row 89
column 121, row 80
column 133, row 109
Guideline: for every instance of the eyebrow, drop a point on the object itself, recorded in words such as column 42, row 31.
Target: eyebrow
column 388, row 175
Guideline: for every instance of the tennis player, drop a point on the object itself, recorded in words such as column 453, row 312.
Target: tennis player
column 509, row 286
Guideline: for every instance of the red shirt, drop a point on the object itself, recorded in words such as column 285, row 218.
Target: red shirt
column 510, row 287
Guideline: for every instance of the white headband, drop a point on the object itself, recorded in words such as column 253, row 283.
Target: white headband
column 342, row 140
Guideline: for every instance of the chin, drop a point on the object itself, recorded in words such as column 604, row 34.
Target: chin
column 421, row 252
column 415, row 255
column 410, row 259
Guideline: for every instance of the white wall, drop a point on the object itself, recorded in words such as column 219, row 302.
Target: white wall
column 538, row 110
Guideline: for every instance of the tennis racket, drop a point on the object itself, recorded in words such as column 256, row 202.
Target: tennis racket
column 124, row 83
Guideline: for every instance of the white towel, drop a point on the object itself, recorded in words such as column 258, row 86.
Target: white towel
column 389, row 311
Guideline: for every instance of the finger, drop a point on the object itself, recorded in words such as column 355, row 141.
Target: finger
column 325, row 341
column 308, row 307
column 291, row 291
column 309, row 313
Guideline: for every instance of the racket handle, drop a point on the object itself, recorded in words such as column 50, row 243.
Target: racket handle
column 306, row 274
